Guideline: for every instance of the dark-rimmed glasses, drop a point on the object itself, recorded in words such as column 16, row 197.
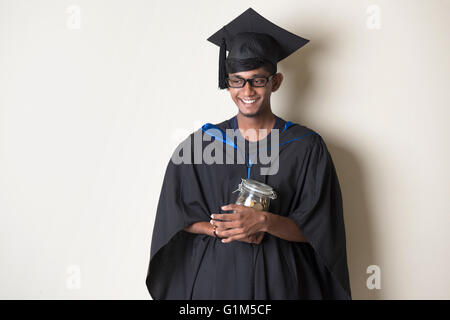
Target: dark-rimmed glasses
column 256, row 82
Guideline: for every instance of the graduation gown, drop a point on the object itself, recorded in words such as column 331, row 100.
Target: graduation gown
column 184, row 265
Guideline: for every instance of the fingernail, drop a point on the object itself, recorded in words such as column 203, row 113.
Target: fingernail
column 223, row 207
column 223, row 240
column 212, row 216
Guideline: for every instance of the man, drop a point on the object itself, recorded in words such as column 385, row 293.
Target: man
column 206, row 247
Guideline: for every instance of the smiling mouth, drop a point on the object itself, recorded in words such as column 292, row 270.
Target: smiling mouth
column 248, row 102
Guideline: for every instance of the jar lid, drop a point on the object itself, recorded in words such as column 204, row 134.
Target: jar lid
column 258, row 187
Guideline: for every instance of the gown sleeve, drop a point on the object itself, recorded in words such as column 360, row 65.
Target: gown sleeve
column 318, row 212
column 172, row 268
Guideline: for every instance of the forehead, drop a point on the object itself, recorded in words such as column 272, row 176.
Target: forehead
column 260, row 72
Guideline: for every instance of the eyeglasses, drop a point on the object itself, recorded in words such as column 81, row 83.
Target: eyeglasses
column 257, row 82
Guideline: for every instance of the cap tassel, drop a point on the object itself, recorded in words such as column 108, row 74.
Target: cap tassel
column 222, row 71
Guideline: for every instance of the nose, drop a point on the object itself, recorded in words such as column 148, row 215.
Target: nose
column 247, row 89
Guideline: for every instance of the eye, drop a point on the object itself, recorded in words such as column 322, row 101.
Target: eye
column 236, row 81
column 259, row 80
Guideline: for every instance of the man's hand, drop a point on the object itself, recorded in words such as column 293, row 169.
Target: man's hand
column 255, row 238
column 245, row 224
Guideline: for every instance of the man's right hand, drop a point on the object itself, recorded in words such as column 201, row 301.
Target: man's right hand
column 255, row 238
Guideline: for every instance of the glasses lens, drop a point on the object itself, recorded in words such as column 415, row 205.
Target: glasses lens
column 235, row 82
column 259, row 82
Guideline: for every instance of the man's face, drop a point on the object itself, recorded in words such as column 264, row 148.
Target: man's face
column 253, row 101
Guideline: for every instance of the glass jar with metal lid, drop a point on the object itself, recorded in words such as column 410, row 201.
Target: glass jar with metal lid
column 255, row 194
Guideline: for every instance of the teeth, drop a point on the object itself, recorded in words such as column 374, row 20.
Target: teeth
column 248, row 101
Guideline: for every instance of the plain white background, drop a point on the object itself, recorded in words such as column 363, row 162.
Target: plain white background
column 94, row 96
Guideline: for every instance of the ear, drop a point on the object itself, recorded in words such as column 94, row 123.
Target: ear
column 277, row 79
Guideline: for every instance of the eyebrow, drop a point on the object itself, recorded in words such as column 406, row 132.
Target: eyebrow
column 252, row 76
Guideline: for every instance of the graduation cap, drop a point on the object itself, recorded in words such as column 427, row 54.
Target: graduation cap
column 251, row 36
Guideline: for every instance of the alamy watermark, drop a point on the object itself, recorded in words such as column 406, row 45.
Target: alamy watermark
column 73, row 21
column 73, row 280
column 222, row 150
column 373, row 21
column 374, row 281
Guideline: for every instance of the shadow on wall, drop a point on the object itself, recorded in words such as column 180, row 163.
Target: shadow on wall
column 357, row 212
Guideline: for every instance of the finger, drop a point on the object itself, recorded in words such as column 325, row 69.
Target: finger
column 220, row 231
column 223, row 216
column 225, row 224
column 239, row 236
column 232, row 206
column 226, row 233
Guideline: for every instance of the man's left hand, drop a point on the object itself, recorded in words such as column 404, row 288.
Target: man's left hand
column 243, row 223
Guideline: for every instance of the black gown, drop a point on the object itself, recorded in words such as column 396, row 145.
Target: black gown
column 193, row 266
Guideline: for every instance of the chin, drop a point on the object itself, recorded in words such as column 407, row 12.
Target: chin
column 250, row 115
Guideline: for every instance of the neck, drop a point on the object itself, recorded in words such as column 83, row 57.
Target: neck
column 264, row 121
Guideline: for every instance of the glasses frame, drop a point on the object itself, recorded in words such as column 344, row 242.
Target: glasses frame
column 250, row 80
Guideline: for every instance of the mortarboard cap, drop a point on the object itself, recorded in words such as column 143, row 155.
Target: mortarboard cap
column 251, row 36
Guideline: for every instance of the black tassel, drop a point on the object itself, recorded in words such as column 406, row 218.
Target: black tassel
column 222, row 69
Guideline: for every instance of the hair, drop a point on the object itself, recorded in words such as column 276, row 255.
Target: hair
column 233, row 66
